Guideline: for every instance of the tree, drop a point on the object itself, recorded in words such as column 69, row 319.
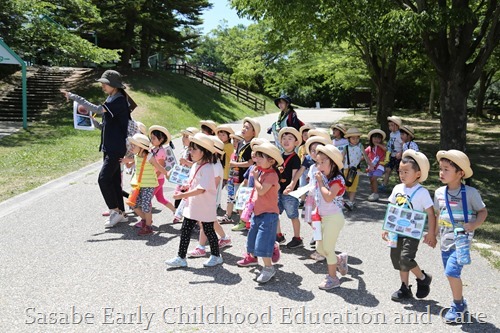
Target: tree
column 486, row 80
column 459, row 36
column 366, row 25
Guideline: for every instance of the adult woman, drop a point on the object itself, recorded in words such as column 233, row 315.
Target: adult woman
column 115, row 113
column 287, row 118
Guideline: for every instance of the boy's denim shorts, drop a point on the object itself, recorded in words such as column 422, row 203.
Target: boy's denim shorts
column 262, row 235
column 451, row 267
column 288, row 204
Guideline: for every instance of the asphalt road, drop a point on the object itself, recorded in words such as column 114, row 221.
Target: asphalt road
column 62, row 271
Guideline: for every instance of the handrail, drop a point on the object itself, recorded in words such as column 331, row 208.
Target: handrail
column 242, row 95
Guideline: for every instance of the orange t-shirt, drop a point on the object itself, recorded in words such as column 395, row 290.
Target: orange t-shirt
column 267, row 203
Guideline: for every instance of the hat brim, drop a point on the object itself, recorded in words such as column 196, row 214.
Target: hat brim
column 343, row 130
column 106, row 81
column 201, row 143
column 407, row 131
column 333, row 153
column 293, row 131
column 269, row 151
column 225, row 128
column 462, row 161
column 395, row 120
column 161, row 129
column 210, row 125
column 137, row 143
column 315, row 139
column 348, row 135
column 319, row 132
column 376, row 131
column 422, row 161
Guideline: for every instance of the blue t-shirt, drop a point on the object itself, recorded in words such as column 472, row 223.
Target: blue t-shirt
column 248, row 175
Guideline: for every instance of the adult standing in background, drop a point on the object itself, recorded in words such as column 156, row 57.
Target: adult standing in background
column 115, row 113
column 287, row 118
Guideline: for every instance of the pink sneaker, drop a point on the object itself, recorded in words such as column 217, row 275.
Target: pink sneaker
column 105, row 213
column 146, row 230
column 197, row 252
column 248, row 260
column 140, row 224
column 224, row 242
column 276, row 253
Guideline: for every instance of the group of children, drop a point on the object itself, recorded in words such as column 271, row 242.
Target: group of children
column 274, row 176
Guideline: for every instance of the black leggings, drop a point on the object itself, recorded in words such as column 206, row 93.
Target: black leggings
column 187, row 228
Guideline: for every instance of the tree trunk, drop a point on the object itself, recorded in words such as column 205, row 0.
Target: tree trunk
column 453, row 106
column 432, row 95
column 145, row 46
column 127, row 44
column 385, row 102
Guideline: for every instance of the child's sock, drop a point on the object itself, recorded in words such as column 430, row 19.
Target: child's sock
column 201, row 247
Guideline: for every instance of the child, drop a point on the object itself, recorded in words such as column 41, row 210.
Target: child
column 260, row 241
column 250, row 130
column 329, row 189
column 301, row 151
column 148, row 181
column 185, row 159
column 452, row 204
column 413, row 169
column 407, row 136
column 338, row 131
column 353, row 152
column 200, row 199
column 159, row 136
column 395, row 147
column 225, row 240
column 224, row 134
column 208, row 127
column 376, row 155
column 289, row 138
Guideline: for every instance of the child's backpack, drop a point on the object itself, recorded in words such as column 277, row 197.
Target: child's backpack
column 132, row 129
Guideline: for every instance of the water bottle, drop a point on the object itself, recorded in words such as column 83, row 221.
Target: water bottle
column 180, row 209
column 375, row 160
column 308, row 208
column 462, row 246
column 392, row 240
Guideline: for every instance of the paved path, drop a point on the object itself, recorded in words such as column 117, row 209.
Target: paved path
column 60, row 270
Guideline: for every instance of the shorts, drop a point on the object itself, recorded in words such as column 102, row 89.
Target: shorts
column 231, row 197
column 144, row 199
column 403, row 256
column 354, row 186
column 393, row 163
column 451, row 267
column 289, row 204
column 376, row 173
column 262, row 235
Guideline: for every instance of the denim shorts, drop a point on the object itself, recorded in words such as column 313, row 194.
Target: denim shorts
column 451, row 267
column 288, row 204
column 262, row 235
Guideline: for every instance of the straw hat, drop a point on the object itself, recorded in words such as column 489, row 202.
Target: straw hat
column 422, row 161
column 140, row 140
column 255, row 124
column 293, row 131
column 112, row 78
column 376, row 131
column 316, row 139
column 204, row 141
column 270, row 150
column 333, row 153
column 190, row 131
column 161, row 129
column 408, row 129
column 340, row 127
column 257, row 141
column 210, row 124
column 237, row 136
column 320, row 132
column 457, row 157
column 225, row 128
column 305, row 127
column 218, row 144
column 396, row 120
column 142, row 127
column 353, row 131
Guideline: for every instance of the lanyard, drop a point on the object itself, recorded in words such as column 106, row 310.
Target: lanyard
column 411, row 197
column 464, row 205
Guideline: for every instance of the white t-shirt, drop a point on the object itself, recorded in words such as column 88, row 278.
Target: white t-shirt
column 340, row 143
column 421, row 200
column 395, row 144
column 218, row 173
column 202, row 207
column 355, row 155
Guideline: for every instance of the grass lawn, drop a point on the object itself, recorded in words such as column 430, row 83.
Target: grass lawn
column 52, row 148
column 483, row 151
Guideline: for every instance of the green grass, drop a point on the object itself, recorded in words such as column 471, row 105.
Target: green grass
column 52, row 147
column 482, row 149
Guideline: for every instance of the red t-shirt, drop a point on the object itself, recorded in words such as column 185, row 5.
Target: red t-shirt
column 267, row 203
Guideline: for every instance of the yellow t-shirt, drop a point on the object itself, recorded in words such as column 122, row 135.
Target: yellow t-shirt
column 228, row 149
column 149, row 178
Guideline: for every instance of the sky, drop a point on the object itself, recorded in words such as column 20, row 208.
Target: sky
column 221, row 10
